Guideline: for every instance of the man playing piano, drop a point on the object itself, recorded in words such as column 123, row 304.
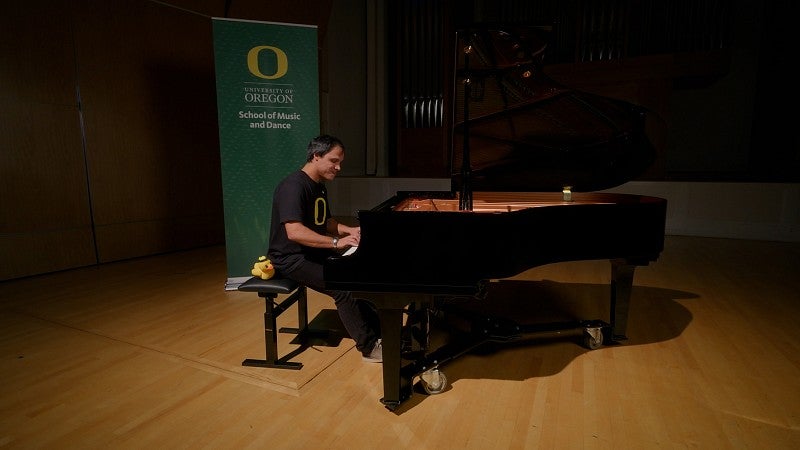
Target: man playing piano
column 303, row 235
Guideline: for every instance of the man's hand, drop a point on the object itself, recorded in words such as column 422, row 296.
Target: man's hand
column 349, row 236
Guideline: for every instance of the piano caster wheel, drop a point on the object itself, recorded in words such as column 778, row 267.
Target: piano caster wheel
column 593, row 337
column 433, row 381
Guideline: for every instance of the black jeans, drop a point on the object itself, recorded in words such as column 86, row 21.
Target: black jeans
column 358, row 316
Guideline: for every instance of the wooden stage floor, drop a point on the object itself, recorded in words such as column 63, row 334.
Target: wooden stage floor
column 147, row 353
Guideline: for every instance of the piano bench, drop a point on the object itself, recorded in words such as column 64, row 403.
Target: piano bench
column 269, row 291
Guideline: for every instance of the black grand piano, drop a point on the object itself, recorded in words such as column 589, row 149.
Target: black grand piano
column 528, row 155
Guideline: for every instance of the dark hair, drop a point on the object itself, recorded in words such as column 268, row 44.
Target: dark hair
column 321, row 145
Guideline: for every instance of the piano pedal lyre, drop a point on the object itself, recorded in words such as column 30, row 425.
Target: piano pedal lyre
column 416, row 331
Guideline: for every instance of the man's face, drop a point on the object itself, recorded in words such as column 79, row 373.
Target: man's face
column 329, row 165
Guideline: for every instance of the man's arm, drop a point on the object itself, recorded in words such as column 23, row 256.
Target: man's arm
column 303, row 235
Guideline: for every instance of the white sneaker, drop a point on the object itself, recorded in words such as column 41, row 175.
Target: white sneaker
column 376, row 355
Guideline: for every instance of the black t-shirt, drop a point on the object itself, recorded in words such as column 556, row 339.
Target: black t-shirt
column 297, row 198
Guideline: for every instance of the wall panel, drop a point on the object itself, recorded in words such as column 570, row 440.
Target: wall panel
column 45, row 222
column 109, row 144
column 147, row 87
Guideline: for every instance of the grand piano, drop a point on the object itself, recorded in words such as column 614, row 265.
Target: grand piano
column 528, row 157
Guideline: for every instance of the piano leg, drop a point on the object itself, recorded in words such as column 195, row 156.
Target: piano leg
column 396, row 388
column 621, row 285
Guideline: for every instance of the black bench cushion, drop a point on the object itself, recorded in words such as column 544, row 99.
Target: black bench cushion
column 273, row 285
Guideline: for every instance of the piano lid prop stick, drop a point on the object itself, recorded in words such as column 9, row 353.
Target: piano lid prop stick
column 465, row 200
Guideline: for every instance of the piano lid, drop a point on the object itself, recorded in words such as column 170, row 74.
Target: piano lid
column 527, row 132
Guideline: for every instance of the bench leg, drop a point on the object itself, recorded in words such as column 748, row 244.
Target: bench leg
column 302, row 312
column 271, row 333
column 320, row 336
column 305, row 334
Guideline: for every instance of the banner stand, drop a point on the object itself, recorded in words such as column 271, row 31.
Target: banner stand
column 268, row 111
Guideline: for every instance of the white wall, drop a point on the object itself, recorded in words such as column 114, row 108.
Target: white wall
column 759, row 211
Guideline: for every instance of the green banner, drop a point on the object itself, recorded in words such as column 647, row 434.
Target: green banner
column 268, row 107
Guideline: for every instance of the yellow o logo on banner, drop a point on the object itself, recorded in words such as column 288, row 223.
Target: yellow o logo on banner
column 282, row 62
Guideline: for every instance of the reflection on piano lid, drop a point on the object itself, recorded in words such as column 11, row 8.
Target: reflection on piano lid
column 491, row 202
column 527, row 132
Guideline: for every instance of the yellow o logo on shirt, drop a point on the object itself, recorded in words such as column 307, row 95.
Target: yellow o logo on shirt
column 320, row 211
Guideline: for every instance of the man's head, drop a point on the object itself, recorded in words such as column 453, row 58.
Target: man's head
column 324, row 158
column 321, row 145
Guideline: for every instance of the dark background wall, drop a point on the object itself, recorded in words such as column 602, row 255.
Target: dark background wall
column 713, row 74
column 108, row 127
column 108, row 133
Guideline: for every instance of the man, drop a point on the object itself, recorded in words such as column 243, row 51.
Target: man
column 303, row 235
